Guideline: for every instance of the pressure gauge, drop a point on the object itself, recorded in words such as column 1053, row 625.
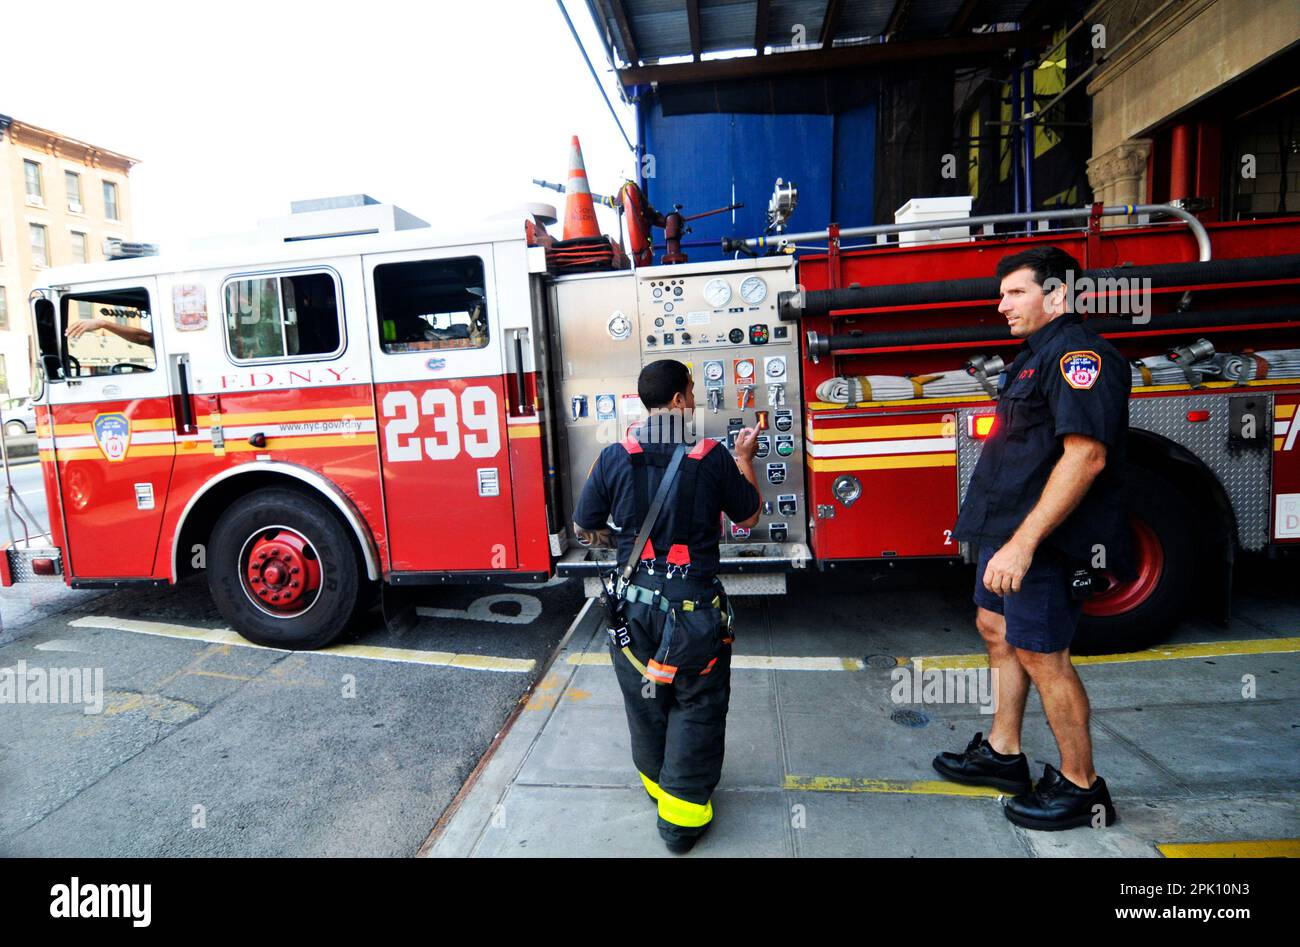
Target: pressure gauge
column 620, row 327
column 717, row 293
column 745, row 369
column 712, row 371
column 753, row 290
column 605, row 406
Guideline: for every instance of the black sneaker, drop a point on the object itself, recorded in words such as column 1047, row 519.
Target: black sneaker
column 1056, row 803
column 979, row 766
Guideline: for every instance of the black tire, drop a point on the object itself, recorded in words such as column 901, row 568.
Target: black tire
column 1161, row 531
column 250, row 525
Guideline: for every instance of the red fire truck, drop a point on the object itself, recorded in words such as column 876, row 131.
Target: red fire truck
column 342, row 408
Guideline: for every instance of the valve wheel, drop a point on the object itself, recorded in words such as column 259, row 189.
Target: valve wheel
column 281, row 571
column 1149, row 562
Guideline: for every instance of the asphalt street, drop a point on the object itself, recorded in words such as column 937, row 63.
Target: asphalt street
column 207, row 748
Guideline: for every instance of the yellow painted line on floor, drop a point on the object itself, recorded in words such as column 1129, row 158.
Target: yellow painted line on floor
column 471, row 662
column 919, row 787
column 746, row 662
column 1177, row 652
column 1259, row 848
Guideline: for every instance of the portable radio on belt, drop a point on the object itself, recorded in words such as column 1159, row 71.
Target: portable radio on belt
column 1082, row 584
column 614, row 584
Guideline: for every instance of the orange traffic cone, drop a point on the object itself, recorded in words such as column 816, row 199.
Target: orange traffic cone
column 579, row 211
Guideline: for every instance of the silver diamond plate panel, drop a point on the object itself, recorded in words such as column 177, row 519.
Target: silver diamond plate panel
column 1245, row 473
column 20, row 565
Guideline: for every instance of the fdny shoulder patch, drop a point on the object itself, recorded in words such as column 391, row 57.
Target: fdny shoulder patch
column 1081, row 369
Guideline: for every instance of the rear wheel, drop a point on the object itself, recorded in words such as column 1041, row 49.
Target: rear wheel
column 284, row 571
column 1129, row 615
column 15, row 429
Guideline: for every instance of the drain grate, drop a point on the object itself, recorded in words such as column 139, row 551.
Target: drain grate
column 880, row 661
column 909, row 718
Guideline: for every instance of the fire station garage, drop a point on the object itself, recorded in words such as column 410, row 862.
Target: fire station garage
column 362, row 613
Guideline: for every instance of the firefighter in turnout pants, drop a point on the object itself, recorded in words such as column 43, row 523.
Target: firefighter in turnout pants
column 1044, row 500
column 672, row 647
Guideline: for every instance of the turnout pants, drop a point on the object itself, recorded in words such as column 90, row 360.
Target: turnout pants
column 676, row 686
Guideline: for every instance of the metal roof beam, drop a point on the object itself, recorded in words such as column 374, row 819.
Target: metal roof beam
column 974, row 46
column 831, row 22
column 896, row 16
column 962, row 18
column 624, row 30
column 693, row 21
column 761, row 22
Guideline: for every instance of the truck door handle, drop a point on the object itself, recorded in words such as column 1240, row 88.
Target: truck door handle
column 187, row 410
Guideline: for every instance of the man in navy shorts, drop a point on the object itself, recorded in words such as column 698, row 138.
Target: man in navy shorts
column 1045, row 499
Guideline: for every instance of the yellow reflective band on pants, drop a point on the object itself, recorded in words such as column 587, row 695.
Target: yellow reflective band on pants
column 688, row 815
column 651, row 786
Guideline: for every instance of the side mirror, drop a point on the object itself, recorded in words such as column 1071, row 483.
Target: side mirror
column 47, row 340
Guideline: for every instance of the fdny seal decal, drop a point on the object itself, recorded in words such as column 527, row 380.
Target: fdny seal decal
column 113, row 435
column 1081, row 369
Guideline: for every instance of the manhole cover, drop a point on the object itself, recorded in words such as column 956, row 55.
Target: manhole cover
column 880, row 661
column 909, row 718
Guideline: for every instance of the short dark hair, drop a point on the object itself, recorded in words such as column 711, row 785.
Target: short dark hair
column 1046, row 262
column 660, row 380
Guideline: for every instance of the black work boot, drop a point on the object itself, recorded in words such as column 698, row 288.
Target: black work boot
column 1056, row 803
column 678, row 839
column 979, row 765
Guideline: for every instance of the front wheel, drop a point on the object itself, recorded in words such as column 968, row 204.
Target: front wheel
column 283, row 570
column 15, row 429
column 1128, row 616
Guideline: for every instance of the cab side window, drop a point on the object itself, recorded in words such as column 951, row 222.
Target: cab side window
column 425, row 305
column 282, row 316
column 109, row 332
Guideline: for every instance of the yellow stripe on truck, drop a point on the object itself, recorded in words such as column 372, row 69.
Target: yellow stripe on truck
column 887, row 462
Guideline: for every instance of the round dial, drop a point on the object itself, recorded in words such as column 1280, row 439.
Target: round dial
column 717, row 293
column 753, row 290
column 775, row 367
column 605, row 404
column 744, row 369
column 712, row 370
column 656, row 292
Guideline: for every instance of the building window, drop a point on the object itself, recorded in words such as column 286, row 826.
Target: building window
column 119, row 339
column 35, row 192
column 110, row 201
column 283, row 316
column 4, row 309
column 72, row 182
column 4, row 376
column 40, row 246
column 425, row 305
column 79, row 247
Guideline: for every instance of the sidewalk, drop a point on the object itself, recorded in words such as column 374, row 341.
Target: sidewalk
column 820, row 763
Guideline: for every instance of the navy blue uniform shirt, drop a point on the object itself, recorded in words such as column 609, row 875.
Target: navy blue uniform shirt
column 610, row 493
column 1066, row 379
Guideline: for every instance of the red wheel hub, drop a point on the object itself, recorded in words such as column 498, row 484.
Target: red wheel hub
column 281, row 571
column 1149, row 561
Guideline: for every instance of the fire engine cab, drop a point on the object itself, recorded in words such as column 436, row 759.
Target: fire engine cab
column 351, row 402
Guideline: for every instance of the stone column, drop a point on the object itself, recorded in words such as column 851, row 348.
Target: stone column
column 1119, row 176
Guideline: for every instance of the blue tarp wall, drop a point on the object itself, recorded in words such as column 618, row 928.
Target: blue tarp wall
column 704, row 160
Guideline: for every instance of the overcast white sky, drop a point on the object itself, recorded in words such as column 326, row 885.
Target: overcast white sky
column 447, row 109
